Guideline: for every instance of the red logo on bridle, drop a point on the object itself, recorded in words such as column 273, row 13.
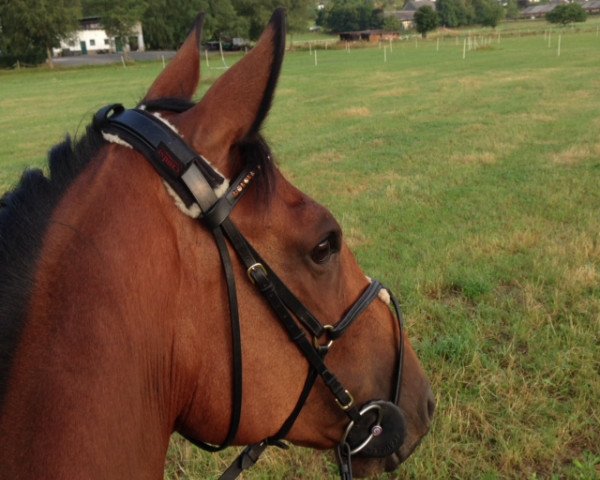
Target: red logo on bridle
column 168, row 161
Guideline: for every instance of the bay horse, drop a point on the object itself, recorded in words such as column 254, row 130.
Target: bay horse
column 135, row 304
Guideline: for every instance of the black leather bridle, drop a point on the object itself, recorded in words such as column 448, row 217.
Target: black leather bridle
column 377, row 429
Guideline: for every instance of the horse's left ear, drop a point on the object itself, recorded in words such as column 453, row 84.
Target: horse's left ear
column 180, row 77
column 239, row 101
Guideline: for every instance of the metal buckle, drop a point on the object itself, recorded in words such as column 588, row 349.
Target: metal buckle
column 349, row 404
column 253, row 268
column 327, row 346
column 375, row 430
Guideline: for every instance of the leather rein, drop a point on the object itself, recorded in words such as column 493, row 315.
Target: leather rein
column 377, row 429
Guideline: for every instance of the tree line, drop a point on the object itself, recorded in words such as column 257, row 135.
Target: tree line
column 29, row 29
column 457, row 13
column 351, row 15
column 354, row 15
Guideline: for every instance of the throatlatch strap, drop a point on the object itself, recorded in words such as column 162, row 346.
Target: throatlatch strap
column 206, row 199
column 236, row 342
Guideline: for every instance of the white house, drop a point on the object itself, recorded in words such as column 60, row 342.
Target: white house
column 91, row 38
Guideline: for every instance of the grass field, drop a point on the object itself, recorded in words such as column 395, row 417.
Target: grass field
column 471, row 187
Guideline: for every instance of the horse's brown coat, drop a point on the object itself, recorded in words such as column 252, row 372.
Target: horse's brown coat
column 127, row 336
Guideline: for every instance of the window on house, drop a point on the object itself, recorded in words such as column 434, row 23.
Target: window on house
column 106, row 41
column 92, row 43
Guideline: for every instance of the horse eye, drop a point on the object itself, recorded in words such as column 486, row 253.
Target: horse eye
column 323, row 251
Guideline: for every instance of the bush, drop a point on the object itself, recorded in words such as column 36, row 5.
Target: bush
column 567, row 13
column 426, row 19
column 28, row 58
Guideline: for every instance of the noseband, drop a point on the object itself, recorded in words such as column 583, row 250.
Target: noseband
column 377, row 429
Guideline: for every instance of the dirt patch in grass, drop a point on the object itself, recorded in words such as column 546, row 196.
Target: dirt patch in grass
column 483, row 158
column 535, row 117
column 356, row 238
column 471, row 128
column 527, row 78
column 471, row 82
column 576, row 154
column 354, row 112
column 523, row 240
column 327, row 157
column 394, row 92
column 583, row 277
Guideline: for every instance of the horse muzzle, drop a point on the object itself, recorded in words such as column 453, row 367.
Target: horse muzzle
column 378, row 433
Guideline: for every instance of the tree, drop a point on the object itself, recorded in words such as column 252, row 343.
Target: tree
column 166, row 23
column 30, row 26
column 392, row 24
column 567, row 13
column 512, row 9
column 321, row 17
column 426, row 19
column 300, row 14
column 342, row 18
column 487, row 12
column 351, row 15
column 454, row 13
column 258, row 12
column 223, row 21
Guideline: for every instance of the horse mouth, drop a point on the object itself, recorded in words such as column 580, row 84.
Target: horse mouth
column 367, row 466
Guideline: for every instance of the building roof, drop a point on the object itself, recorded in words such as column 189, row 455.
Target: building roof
column 414, row 5
column 408, row 12
column 589, row 5
column 540, row 9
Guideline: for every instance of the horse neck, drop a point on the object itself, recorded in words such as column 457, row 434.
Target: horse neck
column 92, row 393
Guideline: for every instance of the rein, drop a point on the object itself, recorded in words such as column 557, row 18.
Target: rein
column 377, row 429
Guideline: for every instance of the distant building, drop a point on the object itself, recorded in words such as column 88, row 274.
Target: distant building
column 406, row 16
column 592, row 7
column 91, row 38
column 538, row 11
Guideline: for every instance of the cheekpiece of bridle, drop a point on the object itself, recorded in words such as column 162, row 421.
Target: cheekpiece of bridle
column 376, row 429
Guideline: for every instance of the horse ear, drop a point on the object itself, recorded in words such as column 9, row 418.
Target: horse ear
column 239, row 101
column 180, row 77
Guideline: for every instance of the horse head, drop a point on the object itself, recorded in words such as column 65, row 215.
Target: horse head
column 128, row 335
column 302, row 242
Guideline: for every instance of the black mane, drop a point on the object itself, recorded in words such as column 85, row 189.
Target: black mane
column 24, row 215
column 25, row 212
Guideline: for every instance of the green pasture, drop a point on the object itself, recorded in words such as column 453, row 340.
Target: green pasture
column 471, row 187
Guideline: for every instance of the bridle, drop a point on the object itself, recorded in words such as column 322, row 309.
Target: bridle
column 377, row 429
